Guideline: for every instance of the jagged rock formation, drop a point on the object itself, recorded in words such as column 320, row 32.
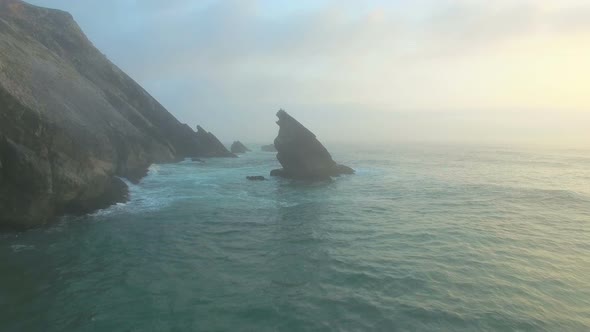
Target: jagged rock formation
column 210, row 146
column 268, row 148
column 256, row 178
column 301, row 154
column 71, row 122
column 238, row 147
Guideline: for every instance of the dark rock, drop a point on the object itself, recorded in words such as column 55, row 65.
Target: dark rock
column 256, row 178
column 114, row 192
column 278, row 172
column 342, row 169
column 210, row 146
column 24, row 200
column 268, row 148
column 135, row 175
column 71, row 121
column 238, row 147
column 301, row 154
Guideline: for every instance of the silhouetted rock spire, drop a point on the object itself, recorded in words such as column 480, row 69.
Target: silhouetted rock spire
column 301, row 154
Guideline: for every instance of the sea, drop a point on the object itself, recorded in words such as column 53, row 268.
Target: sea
column 424, row 237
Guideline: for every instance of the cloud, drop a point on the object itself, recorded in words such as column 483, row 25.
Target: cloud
column 223, row 63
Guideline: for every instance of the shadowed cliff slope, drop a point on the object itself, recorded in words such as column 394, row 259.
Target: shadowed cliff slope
column 71, row 122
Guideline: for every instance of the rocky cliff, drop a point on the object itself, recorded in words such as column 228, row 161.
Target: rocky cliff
column 301, row 154
column 210, row 146
column 71, row 122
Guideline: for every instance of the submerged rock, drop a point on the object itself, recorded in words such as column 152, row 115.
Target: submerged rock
column 71, row 122
column 238, row 147
column 301, row 154
column 268, row 148
column 256, row 178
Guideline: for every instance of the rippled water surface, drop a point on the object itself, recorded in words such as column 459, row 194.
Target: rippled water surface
column 422, row 238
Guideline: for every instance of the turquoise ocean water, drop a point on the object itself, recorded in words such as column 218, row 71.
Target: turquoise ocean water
column 422, row 238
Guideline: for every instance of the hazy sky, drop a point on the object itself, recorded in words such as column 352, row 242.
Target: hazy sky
column 427, row 70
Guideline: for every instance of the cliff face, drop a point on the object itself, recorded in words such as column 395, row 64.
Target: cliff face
column 71, row 121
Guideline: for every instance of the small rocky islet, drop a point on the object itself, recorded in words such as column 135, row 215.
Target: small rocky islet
column 256, row 178
column 238, row 147
column 72, row 125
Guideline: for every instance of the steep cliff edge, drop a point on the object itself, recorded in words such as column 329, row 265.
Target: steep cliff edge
column 71, row 122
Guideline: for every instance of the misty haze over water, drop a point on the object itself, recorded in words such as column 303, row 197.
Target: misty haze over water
column 502, row 72
column 311, row 165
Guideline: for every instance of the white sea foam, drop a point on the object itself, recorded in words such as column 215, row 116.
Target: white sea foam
column 21, row 247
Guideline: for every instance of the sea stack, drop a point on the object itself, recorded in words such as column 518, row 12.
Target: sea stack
column 301, row 154
column 238, row 147
column 72, row 123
